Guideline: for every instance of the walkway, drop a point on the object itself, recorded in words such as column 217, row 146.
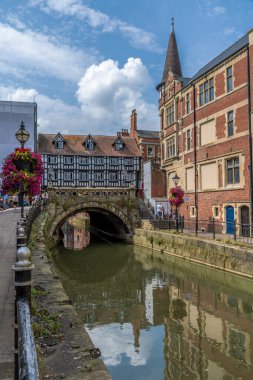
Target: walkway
column 8, row 220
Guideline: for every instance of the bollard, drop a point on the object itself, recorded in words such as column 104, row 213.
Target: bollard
column 22, row 269
column 21, row 236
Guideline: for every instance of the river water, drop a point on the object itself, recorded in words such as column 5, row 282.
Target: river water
column 155, row 317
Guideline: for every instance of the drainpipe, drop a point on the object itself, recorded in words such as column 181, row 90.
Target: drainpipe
column 195, row 162
column 250, row 140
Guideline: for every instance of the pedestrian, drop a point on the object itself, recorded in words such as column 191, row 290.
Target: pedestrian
column 15, row 200
column 6, row 204
column 159, row 211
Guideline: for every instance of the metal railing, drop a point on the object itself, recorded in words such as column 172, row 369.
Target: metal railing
column 25, row 358
column 209, row 228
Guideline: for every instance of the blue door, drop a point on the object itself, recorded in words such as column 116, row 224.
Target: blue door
column 230, row 220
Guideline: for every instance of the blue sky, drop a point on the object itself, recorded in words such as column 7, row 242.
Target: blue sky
column 88, row 63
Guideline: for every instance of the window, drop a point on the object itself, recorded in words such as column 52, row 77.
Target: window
column 188, row 139
column 68, row 160
column 192, row 211
column 229, row 79
column 216, row 211
column 83, row 160
column 99, row 176
column 170, row 114
column 113, row 176
column 171, row 147
column 230, row 123
column 114, row 161
column 233, row 173
column 128, row 161
column 52, row 159
column 99, row 160
column 89, row 144
column 68, row 176
column 188, row 104
column 83, row 176
column 129, row 177
column 150, row 151
column 206, row 92
column 59, row 144
column 119, row 145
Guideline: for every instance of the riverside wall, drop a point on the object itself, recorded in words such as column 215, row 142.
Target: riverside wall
column 214, row 254
column 70, row 354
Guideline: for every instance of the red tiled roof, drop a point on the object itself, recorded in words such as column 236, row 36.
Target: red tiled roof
column 74, row 145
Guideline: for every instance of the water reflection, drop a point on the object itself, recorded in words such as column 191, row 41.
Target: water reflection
column 160, row 318
column 75, row 230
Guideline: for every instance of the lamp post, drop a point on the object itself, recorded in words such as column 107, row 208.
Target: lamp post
column 176, row 180
column 22, row 135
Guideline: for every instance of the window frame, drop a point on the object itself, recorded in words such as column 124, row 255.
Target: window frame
column 171, row 148
column 230, row 124
column 65, row 174
column 188, row 139
column 66, row 158
column 234, row 168
column 206, row 92
column 229, row 79
column 187, row 103
column 170, row 114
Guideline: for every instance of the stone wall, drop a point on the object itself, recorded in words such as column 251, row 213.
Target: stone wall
column 212, row 253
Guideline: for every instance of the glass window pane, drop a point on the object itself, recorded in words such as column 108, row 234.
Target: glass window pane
column 237, row 175
column 230, row 176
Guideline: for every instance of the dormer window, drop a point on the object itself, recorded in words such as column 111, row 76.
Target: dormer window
column 89, row 143
column 59, row 144
column 59, row 141
column 119, row 144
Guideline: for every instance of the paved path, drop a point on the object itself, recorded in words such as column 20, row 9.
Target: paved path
column 8, row 220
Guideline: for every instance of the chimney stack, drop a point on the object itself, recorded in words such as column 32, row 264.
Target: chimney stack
column 133, row 123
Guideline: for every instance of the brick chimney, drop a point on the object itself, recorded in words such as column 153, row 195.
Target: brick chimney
column 133, row 123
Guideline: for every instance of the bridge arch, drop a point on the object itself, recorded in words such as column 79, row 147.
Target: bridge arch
column 114, row 214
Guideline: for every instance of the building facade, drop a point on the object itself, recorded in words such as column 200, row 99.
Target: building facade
column 11, row 116
column 206, row 134
column 89, row 161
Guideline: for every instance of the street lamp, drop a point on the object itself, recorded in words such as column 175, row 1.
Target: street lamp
column 176, row 180
column 22, row 135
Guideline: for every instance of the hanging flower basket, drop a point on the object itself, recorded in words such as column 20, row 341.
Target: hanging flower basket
column 22, row 170
column 176, row 197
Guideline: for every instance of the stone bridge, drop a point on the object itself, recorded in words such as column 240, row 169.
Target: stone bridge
column 111, row 209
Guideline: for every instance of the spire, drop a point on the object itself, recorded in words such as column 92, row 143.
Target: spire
column 172, row 62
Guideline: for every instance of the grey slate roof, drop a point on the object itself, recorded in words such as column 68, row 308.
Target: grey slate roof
column 238, row 45
column 148, row 134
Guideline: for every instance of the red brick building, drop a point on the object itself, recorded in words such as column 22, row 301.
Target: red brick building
column 206, row 133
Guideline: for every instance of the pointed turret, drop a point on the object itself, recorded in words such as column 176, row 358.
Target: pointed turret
column 172, row 62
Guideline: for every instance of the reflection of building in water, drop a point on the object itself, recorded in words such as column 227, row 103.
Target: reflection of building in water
column 207, row 343
column 75, row 229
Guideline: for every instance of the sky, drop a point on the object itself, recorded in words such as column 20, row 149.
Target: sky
column 89, row 63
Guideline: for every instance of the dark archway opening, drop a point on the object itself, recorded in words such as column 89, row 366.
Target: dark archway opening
column 102, row 226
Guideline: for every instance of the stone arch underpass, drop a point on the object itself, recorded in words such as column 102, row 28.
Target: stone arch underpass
column 104, row 215
column 113, row 209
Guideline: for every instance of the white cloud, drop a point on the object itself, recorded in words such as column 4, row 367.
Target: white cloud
column 34, row 52
column 96, row 19
column 107, row 95
column 102, row 116
column 116, row 341
column 53, row 114
column 215, row 11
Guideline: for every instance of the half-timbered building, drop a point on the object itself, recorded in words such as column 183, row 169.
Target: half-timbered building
column 90, row 161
